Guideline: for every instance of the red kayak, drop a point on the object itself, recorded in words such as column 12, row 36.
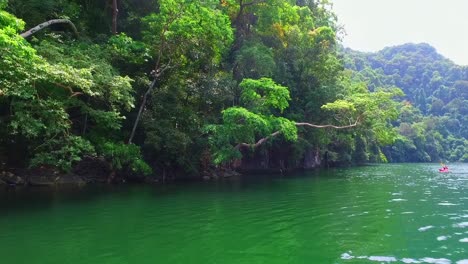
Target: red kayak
column 444, row 170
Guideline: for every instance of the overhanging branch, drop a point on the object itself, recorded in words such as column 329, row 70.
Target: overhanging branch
column 47, row 24
column 260, row 142
column 263, row 140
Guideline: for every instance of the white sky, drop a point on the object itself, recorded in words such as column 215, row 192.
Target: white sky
column 371, row 25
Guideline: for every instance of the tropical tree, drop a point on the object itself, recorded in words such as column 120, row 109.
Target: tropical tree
column 264, row 101
column 60, row 99
column 183, row 34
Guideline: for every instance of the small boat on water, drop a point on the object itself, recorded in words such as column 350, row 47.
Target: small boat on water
column 444, row 169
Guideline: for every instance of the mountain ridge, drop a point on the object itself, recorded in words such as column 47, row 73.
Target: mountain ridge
column 433, row 125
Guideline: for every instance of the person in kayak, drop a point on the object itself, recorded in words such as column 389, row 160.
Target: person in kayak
column 444, row 168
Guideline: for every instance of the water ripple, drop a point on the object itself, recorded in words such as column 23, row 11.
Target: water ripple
column 380, row 214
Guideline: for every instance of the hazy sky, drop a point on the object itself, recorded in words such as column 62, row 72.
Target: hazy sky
column 371, row 25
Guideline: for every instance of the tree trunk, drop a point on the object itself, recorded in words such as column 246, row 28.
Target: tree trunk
column 85, row 121
column 85, row 125
column 142, row 106
column 47, row 24
column 115, row 12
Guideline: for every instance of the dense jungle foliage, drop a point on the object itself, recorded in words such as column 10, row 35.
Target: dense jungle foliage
column 172, row 87
column 433, row 124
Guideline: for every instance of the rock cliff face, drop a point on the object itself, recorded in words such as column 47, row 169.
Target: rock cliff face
column 312, row 158
column 281, row 158
column 88, row 170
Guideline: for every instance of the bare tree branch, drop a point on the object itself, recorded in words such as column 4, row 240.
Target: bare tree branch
column 142, row 106
column 329, row 126
column 265, row 139
column 159, row 69
column 258, row 143
column 47, row 24
column 252, row 3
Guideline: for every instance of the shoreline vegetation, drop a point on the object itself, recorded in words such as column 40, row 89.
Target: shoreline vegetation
column 166, row 90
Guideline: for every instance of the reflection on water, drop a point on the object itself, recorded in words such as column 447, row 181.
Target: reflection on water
column 375, row 214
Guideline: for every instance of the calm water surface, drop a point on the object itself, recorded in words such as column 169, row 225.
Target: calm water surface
column 377, row 214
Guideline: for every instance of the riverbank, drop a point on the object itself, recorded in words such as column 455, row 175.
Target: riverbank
column 43, row 177
column 96, row 171
column 88, row 170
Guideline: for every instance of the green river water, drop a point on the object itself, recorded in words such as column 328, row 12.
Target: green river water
column 402, row 213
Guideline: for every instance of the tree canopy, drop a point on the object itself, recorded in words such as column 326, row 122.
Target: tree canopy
column 175, row 87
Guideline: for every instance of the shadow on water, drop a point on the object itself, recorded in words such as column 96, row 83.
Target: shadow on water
column 40, row 198
column 43, row 198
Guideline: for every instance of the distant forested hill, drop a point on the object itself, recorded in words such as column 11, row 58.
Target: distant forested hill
column 433, row 124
